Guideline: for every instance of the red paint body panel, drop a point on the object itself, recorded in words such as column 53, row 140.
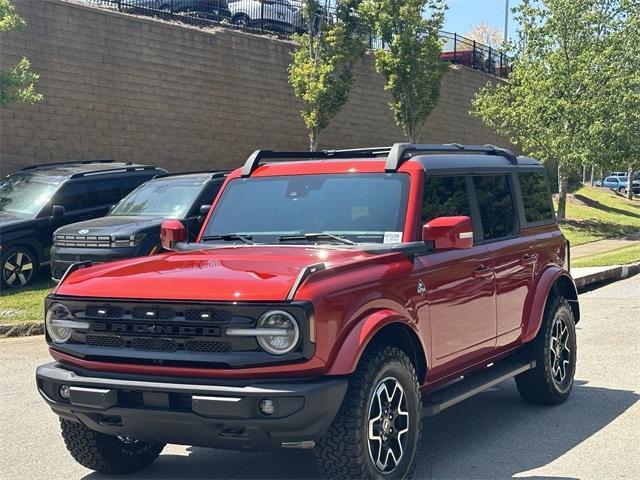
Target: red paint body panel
column 223, row 274
column 478, row 303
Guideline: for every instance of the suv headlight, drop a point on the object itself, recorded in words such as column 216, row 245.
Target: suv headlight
column 285, row 340
column 60, row 323
column 277, row 332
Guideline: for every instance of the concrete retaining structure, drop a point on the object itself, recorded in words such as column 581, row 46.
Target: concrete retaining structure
column 133, row 88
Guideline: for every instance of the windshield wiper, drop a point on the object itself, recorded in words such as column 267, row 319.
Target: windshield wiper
column 229, row 237
column 315, row 236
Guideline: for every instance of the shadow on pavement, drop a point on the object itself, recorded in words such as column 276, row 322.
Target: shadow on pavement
column 494, row 435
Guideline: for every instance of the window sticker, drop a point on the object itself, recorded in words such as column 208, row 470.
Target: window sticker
column 392, row 237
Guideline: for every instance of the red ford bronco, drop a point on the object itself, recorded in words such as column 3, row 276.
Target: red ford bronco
column 330, row 301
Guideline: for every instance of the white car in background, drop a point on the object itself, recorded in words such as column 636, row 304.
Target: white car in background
column 275, row 15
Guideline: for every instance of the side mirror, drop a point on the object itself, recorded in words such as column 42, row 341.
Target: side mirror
column 449, row 233
column 57, row 211
column 172, row 232
column 204, row 209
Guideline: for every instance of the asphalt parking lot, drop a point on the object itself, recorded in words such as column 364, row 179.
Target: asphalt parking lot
column 595, row 435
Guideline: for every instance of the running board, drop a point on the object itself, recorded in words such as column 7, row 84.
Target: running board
column 434, row 402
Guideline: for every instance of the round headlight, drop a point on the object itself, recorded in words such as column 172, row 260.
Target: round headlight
column 278, row 320
column 59, row 331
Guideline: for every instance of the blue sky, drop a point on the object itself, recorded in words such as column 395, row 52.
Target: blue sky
column 463, row 15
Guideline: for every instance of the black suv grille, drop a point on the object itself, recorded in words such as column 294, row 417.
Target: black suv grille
column 104, row 311
column 114, row 312
column 144, row 313
column 146, row 344
column 88, row 241
column 106, row 341
column 177, row 332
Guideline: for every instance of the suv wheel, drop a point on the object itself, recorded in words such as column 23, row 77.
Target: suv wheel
column 554, row 350
column 18, row 267
column 376, row 431
column 107, row 454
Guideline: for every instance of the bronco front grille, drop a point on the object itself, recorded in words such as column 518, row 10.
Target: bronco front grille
column 199, row 316
column 147, row 344
column 164, row 332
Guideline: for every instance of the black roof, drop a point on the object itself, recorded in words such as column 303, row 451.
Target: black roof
column 82, row 168
column 472, row 162
column 432, row 156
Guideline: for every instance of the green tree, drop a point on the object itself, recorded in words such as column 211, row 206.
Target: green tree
column 18, row 84
column 410, row 60
column 322, row 68
column 620, row 93
column 558, row 102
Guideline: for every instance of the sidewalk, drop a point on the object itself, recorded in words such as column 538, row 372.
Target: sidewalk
column 589, row 275
column 601, row 246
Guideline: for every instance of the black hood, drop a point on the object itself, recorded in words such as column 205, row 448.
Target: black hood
column 8, row 221
column 111, row 225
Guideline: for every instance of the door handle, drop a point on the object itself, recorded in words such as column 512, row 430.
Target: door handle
column 483, row 272
column 529, row 259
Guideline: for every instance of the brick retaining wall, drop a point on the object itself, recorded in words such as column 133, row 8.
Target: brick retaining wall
column 133, row 88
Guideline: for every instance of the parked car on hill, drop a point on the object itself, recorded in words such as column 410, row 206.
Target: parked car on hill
column 330, row 301
column 620, row 184
column 132, row 226
column 279, row 15
column 215, row 10
column 39, row 199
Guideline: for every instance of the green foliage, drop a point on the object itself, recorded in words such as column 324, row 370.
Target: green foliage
column 18, row 84
column 573, row 93
column 410, row 60
column 322, row 69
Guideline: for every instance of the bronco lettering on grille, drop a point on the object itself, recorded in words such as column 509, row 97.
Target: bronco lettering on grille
column 156, row 329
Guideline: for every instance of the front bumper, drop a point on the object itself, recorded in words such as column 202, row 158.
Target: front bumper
column 198, row 414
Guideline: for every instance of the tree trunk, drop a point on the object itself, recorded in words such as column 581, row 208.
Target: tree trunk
column 563, row 181
column 314, row 136
column 584, row 174
column 630, row 184
column 593, row 173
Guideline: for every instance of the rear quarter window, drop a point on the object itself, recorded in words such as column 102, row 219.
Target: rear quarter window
column 536, row 199
column 497, row 209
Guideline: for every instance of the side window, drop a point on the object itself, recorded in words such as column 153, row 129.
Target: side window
column 445, row 197
column 104, row 192
column 72, row 196
column 535, row 197
column 495, row 202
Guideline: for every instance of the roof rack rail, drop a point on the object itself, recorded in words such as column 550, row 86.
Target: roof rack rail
column 256, row 157
column 214, row 174
column 114, row 170
column 401, row 152
column 74, row 162
column 396, row 154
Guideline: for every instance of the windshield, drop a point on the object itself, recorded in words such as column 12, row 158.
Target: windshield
column 168, row 199
column 23, row 195
column 362, row 208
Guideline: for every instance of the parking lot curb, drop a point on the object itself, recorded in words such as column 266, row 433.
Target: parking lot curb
column 608, row 275
column 22, row 329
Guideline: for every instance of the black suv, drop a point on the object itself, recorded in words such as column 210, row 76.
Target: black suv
column 132, row 227
column 37, row 200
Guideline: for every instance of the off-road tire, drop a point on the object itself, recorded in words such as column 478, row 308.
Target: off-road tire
column 104, row 453
column 343, row 452
column 537, row 385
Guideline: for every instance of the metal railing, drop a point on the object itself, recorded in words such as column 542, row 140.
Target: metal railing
column 284, row 18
